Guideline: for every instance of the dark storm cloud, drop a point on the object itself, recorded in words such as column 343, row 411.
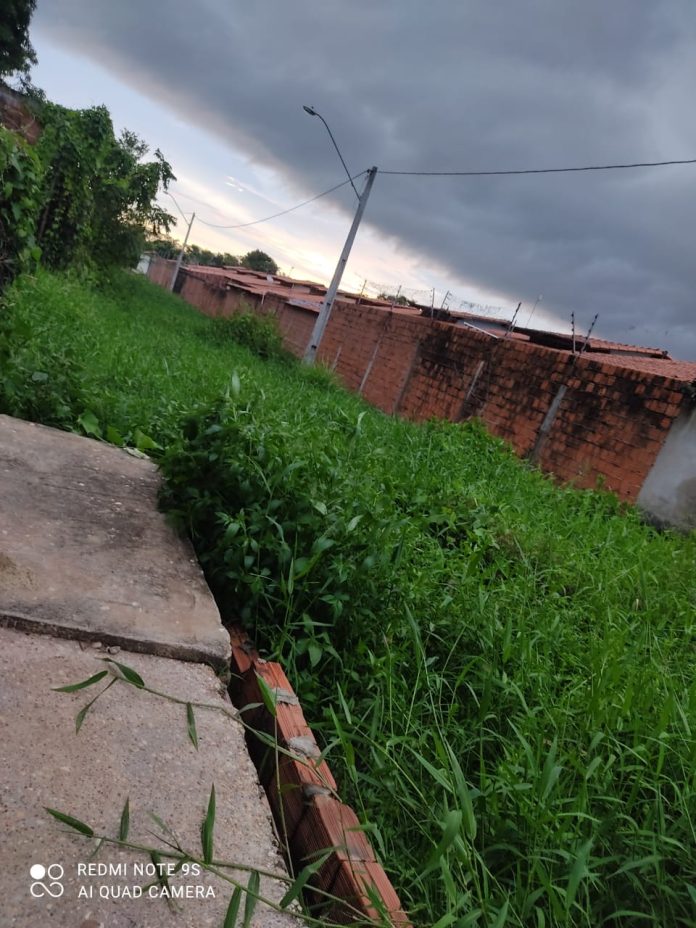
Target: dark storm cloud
column 455, row 85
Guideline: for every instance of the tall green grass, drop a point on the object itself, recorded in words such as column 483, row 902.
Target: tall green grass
column 502, row 670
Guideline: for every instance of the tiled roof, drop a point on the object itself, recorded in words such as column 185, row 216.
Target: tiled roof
column 684, row 371
column 631, row 357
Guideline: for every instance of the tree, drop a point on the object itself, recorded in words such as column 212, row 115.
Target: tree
column 16, row 52
column 260, row 261
column 203, row 256
column 165, row 247
column 98, row 193
column 396, row 299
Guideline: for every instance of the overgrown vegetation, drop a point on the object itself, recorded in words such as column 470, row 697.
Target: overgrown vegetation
column 81, row 198
column 21, row 174
column 257, row 333
column 502, row 670
column 98, row 196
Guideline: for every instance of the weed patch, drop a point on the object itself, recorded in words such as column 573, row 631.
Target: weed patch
column 502, row 670
column 257, row 333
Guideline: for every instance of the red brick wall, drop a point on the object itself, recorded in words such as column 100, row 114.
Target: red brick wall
column 609, row 427
column 208, row 296
column 296, row 324
column 161, row 270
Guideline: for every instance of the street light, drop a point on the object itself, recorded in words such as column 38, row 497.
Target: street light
column 327, row 305
column 313, row 112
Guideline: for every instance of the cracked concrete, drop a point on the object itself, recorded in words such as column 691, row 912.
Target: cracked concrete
column 85, row 554
column 89, row 569
column 131, row 745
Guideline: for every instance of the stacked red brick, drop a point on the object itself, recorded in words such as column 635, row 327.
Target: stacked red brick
column 312, row 821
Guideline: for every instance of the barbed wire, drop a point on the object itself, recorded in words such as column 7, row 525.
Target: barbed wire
column 429, row 297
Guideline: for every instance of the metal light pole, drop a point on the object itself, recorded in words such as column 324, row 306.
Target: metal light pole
column 181, row 254
column 326, row 307
column 313, row 112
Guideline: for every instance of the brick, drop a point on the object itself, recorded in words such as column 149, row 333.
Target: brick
column 243, row 651
column 328, row 823
column 353, row 883
column 292, row 783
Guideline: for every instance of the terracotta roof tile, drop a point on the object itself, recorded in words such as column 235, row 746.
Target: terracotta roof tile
column 631, row 357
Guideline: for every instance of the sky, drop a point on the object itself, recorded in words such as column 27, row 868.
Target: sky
column 219, row 85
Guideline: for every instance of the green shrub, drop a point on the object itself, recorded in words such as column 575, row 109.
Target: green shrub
column 260, row 334
column 279, row 541
column 20, row 180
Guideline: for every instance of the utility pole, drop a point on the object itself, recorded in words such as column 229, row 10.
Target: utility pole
column 326, row 307
column 181, row 254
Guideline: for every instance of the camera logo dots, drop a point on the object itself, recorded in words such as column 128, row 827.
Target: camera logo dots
column 47, row 881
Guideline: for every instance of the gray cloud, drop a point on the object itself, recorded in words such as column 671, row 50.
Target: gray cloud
column 443, row 85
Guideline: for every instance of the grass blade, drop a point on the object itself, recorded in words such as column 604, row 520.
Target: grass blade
column 71, row 822
column 451, row 828
column 129, row 675
column 80, row 717
column 463, row 794
column 252, row 893
column 501, row 918
column 267, row 695
column 125, row 822
column 302, row 879
column 191, row 722
column 577, row 873
column 74, row 687
column 207, row 828
column 233, row 909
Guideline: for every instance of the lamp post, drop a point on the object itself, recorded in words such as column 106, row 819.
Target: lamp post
column 180, row 257
column 327, row 305
column 313, row 112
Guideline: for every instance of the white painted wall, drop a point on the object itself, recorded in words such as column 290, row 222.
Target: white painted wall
column 144, row 264
column 669, row 492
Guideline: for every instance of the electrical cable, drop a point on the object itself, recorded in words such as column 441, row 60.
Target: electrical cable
column 183, row 215
column 593, row 167
column 243, row 225
column 188, row 196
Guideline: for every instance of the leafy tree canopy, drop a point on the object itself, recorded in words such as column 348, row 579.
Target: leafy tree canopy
column 99, row 194
column 163, row 246
column 396, row 299
column 259, row 261
column 197, row 255
column 16, row 52
column 81, row 197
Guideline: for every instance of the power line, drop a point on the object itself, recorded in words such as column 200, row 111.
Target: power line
column 183, row 215
column 200, row 202
column 593, row 167
column 243, row 225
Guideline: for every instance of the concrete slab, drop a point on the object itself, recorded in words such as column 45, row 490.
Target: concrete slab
column 132, row 744
column 85, row 554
